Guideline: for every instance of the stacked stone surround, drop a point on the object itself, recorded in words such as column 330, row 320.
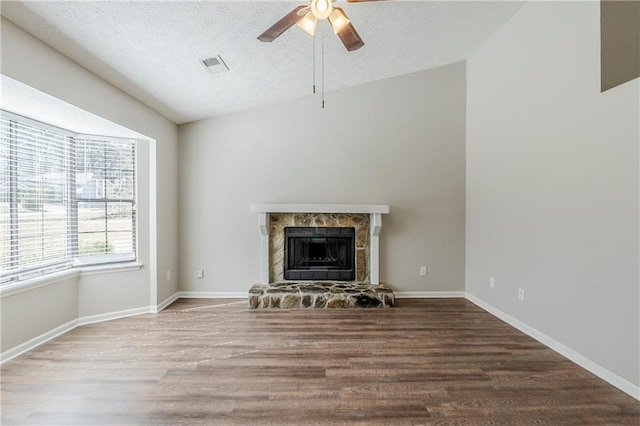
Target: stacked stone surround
column 320, row 295
column 281, row 294
column 278, row 221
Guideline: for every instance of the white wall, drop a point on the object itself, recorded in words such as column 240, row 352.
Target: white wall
column 30, row 314
column 552, row 185
column 28, row 60
column 398, row 141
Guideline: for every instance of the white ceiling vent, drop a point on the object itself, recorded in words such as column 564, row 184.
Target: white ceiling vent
column 215, row 65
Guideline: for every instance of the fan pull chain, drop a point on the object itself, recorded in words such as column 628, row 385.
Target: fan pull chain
column 322, row 72
column 313, row 40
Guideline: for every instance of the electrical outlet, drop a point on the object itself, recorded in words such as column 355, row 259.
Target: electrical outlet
column 169, row 275
column 492, row 282
column 521, row 294
column 200, row 274
column 423, row 271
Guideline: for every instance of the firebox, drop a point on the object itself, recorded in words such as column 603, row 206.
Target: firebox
column 319, row 253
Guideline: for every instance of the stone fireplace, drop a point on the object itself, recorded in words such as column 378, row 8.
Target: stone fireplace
column 365, row 219
column 320, row 256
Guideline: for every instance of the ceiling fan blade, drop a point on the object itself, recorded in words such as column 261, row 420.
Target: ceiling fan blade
column 361, row 1
column 282, row 25
column 350, row 38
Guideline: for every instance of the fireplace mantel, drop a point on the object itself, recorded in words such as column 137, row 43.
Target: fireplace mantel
column 375, row 226
column 320, row 208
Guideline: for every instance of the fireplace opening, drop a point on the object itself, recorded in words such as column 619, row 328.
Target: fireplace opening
column 319, row 253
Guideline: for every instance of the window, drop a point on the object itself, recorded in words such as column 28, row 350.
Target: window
column 105, row 187
column 65, row 199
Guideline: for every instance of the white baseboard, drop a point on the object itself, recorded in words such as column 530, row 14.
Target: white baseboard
column 166, row 302
column 213, row 294
column 65, row 328
column 427, row 294
column 563, row 350
column 37, row 341
column 92, row 319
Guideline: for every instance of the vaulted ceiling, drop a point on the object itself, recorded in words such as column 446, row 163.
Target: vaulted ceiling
column 153, row 49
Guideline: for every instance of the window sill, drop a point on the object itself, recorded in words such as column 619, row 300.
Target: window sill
column 45, row 280
column 109, row 267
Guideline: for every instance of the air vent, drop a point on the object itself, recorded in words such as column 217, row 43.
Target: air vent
column 215, row 65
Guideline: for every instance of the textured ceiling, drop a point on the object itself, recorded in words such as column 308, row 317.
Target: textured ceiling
column 152, row 49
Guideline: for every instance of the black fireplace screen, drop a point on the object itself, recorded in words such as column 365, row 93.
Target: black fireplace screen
column 319, row 253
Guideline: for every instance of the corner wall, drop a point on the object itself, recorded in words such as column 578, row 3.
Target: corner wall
column 552, row 186
column 32, row 62
column 398, row 141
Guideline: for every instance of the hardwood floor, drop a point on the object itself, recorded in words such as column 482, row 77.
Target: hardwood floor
column 427, row 361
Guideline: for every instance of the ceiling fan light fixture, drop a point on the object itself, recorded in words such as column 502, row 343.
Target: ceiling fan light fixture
column 321, row 9
column 338, row 20
column 308, row 23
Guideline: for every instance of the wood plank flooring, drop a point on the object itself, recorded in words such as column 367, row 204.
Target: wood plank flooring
column 424, row 362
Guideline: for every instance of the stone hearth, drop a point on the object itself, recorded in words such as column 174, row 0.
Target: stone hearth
column 320, row 295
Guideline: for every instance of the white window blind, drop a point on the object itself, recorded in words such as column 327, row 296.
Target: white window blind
column 105, row 199
column 65, row 199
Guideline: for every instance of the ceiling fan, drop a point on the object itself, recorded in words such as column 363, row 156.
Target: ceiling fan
column 307, row 17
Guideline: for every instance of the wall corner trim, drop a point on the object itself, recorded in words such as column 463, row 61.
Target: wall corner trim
column 606, row 375
column 166, row 302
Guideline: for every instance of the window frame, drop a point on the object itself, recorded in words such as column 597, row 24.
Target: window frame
column 108, row 258
column 72, row 262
